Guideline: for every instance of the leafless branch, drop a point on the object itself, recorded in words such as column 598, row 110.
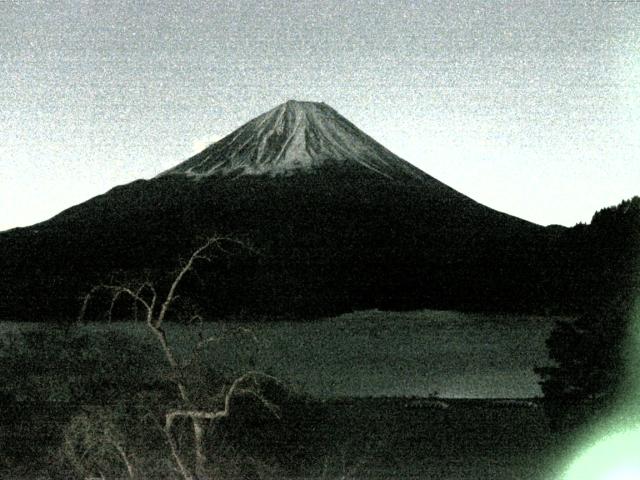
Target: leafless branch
column 114, row 299
column 234, row 390
column 183, row 271
column 116, row 291
column 144, row 295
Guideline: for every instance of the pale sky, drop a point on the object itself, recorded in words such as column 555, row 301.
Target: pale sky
column 530, row 107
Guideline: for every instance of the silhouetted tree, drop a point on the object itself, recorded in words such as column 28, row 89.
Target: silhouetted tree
column 589, row 352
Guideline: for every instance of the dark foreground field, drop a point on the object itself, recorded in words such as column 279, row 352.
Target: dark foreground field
column 469, row 439
column 352, row 438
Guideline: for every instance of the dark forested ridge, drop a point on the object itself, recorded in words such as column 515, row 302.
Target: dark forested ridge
column 323, row 245
column 337, row 222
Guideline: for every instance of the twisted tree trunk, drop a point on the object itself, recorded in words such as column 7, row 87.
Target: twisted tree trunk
column 154, row 320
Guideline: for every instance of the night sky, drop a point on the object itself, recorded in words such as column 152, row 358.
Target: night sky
column 530, row 107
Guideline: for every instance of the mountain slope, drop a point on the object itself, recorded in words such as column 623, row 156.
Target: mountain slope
column 296, row 137
column 339, row 223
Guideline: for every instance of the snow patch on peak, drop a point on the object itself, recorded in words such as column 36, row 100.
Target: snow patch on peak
column 295, row 136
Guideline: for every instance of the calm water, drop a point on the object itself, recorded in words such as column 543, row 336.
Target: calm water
column 381, row 353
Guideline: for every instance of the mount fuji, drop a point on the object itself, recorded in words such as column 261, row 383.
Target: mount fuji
column 338, row 222
column 292, row 138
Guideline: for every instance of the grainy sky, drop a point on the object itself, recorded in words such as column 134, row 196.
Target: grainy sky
column 531, row 107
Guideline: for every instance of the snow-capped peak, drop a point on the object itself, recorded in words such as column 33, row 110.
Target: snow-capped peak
column 295, row 137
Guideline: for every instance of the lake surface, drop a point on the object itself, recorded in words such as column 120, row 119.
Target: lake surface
column 375, row 353
column 410, row 353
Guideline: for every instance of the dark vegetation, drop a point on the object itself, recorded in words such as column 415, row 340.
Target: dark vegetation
column 70, row 396
column 333, row 242
column 350, row 438
column 594, row 354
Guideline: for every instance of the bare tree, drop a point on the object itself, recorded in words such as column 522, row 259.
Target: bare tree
column 155, row 308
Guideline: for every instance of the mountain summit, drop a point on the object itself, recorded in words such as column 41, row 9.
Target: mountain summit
column 296, row 137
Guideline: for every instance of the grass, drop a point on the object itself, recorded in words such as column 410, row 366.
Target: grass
column 383, row 439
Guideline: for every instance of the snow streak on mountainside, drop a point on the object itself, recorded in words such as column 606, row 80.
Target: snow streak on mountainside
column 296, row 137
